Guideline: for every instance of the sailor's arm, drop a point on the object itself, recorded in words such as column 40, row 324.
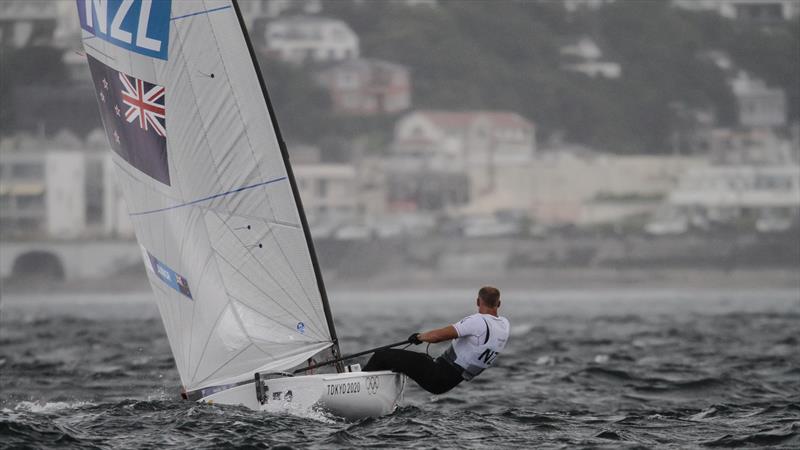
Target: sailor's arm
column 439, row 334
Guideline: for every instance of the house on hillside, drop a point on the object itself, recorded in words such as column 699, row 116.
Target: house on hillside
column 585, row 56
column 578, row 5
column 310, row 39
column 257, row 13
column 367, row 87
column 759, row 105
column 762, row 11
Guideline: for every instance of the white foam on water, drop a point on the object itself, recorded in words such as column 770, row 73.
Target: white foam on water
column 43, row 407
column 521, row 329
column 305, row 412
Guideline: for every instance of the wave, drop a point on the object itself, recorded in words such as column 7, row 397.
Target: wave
column 787, row 435
column 47, row 407
column 647, row 384
column 15, row 434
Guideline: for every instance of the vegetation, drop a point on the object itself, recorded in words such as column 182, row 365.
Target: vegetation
column 482, row 54
column 505, row 55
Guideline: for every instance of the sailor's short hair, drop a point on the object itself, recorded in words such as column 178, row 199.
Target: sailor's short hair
column 490, row 296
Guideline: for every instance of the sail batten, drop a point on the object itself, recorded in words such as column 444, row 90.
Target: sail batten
column 210, row 193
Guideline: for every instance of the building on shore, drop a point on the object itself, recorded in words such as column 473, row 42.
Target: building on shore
column 754, row 179
column 339, row 193
column 438, row 156
column 59, row 189
column 728, row 194
column 581, row 187
column 447, row 139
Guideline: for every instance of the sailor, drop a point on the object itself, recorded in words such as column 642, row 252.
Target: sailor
column 477, row 340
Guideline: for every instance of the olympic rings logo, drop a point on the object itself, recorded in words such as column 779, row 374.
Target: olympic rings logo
column 373, row 384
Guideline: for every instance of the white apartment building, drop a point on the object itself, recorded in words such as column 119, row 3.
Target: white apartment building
column 341, row 192
column 58, row 193
column 306, row 38
column 327, row 190
column 719, row 192
column 583, row 188
column 43, row 193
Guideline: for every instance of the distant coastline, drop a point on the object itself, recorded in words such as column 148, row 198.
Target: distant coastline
column 550, row 279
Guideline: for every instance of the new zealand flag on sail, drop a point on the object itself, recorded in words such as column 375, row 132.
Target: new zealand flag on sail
column 135, row 118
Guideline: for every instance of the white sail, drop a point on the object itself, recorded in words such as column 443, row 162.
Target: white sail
column 209, row 192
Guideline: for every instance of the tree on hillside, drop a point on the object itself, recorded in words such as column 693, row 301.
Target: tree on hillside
column 302, row 107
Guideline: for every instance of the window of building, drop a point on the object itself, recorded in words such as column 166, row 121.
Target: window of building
column 338, row 34
column 30, row 202
column 93, row 190
column 30, row 224
column 27, row 170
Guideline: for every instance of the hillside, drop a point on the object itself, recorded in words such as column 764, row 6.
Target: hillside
column 505, row 55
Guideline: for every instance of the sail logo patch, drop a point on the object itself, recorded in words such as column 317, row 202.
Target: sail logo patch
column 141, row 26
column 169, row 276
column 134, row 115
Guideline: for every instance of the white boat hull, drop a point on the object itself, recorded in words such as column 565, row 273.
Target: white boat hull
column 350, row 395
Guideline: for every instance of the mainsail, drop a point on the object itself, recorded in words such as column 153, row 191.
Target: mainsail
column 205, row 175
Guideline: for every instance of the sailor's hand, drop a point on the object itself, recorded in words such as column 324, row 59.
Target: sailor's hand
column 414, row 339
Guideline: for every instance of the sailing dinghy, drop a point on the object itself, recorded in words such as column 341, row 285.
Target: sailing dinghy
column 206, row 177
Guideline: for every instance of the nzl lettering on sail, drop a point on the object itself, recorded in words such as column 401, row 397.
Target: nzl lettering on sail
column 141, row 26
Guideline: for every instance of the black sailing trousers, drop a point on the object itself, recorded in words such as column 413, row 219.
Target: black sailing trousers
column 435, row 376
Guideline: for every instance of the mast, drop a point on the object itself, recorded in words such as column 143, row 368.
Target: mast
column 295, row 191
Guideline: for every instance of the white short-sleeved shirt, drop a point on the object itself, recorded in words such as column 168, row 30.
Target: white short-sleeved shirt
column 481, row 338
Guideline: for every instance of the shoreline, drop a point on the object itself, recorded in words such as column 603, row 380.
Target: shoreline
column 547, row 279
column 585, row 278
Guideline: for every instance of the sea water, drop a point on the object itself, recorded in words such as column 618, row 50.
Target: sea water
column 602, row 368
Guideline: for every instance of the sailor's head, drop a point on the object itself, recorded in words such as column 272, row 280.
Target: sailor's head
column 488, row 297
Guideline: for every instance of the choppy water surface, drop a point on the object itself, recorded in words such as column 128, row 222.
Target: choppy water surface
column 628, row 368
